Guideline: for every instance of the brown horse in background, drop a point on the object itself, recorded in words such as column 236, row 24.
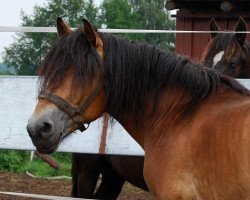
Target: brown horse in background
column 192, row 122
column 115, row 170
column 229, row 53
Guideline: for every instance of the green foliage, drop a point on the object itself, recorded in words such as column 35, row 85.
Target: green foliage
column 28, row 49
column 13, row 161
column 154, row 16
column 6, row 70
column 140, row 14
column 41, row 168
column 18, row 161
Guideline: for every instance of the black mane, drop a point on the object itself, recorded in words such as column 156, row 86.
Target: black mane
column 132, row 71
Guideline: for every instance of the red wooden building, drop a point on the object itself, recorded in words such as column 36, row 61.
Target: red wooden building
column 196, row 14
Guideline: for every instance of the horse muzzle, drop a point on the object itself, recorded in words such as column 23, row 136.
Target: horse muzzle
column 48, row 129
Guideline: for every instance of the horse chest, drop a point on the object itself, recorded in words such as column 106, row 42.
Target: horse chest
column 167, row 169
column 172, row 185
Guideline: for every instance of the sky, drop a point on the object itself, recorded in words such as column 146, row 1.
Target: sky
column 10, row 16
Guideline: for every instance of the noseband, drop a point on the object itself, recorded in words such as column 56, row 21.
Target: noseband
column 73, row 112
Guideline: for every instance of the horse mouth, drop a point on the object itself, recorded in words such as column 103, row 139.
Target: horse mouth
column 50, row 148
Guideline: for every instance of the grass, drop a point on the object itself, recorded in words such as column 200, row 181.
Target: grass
column 19, row 162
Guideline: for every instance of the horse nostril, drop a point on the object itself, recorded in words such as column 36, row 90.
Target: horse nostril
column 46, row 129
column 40, row 129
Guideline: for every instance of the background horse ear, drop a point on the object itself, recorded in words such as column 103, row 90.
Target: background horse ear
column 62, row 27
column 213, row 27
column 89, row 32
column 241, row 26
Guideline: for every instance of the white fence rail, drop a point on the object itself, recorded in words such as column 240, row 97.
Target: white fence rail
column 17, row 101
column 53, row 30
column 38, row 196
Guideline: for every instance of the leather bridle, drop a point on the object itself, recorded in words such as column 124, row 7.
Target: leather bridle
column 73, row 112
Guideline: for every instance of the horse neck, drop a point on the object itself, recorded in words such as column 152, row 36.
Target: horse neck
column 168, row 109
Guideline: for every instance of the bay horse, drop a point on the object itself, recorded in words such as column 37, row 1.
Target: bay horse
column 229, row 53
column 192, row 121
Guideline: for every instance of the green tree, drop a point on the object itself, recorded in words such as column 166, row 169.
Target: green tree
column 153, row 16
column 140, row 14
column 28, row 49
column 118, row 14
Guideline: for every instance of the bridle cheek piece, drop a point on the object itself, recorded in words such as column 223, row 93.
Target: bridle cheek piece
column 73, row 112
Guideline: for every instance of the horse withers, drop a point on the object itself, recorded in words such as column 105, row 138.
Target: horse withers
column 229, row 53
column 192, row 121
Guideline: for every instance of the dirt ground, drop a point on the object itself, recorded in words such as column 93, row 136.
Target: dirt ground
column 23, row 183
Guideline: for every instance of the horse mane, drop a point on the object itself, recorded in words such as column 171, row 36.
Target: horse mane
column 71, row 50
column 222, row 42
column 132, row 71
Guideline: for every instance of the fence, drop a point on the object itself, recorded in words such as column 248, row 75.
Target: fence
column 54, row 30
column 17, row 101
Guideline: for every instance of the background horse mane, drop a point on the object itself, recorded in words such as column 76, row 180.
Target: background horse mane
column 222, row 42
column 131, row 71
column 247, row 47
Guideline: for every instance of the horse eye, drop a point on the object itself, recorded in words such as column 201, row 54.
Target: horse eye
column 232, row 65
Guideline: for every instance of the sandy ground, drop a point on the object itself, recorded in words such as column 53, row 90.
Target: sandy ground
column 23, row 183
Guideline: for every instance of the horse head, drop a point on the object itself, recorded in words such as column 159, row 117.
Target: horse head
column 71, row 89
column 228, row 52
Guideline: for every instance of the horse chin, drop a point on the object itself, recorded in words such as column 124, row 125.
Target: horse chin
column 46, row 151
column 48, row 147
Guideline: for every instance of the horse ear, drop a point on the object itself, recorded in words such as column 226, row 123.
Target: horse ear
column 213, row 27
column 89, row 32
column 240, row 27
column 62, row 27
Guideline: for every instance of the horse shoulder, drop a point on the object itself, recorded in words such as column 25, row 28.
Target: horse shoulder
column 221, row 150
column 205, row 152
